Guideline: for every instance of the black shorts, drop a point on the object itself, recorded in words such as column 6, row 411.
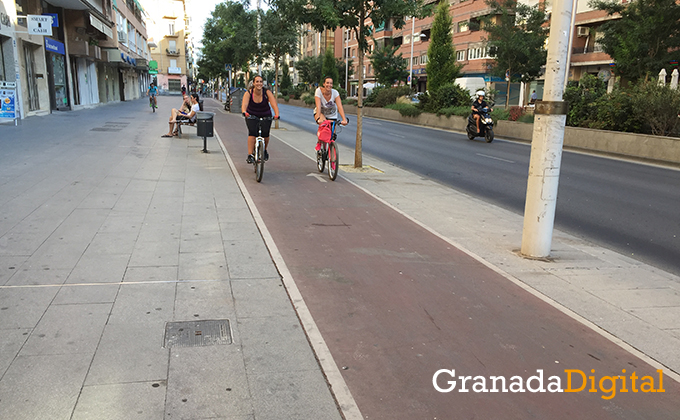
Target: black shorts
column 252, row 127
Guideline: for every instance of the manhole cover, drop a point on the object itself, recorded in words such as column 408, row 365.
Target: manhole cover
column 208, row 332
column 106, row 129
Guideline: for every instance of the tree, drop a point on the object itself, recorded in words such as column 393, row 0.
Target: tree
column 329, row 69
column 340, row 65
column 353, row 15
column 646, row 37
column 279, row 38
column 286, row 83
column 516, row 38
column 227, row 38
column 309, row 69
column 388, row 67
column 441, row 65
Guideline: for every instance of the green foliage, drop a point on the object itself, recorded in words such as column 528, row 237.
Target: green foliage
column 526, row 118
column 658, row 107
column 309, row 69
column 307, row 98
column 441, row 55
column 461, row 111
column 286, row 83
column 383, row 96
column 329, row 69
column 516, row 39
column 350, row 101
column 279, row 37
column 446, row 96
column 388, row 67
column 406, row 110
column 500, row 114
column 644, row 39
column 343, row 93
column 583, row 98
column 227, row 38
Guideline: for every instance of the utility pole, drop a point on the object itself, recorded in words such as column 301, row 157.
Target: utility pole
column 410, row 60
column 259, row 44
column 346, row 34
column 548, row 137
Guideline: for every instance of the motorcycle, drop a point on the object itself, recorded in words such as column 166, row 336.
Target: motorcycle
column 485, row 126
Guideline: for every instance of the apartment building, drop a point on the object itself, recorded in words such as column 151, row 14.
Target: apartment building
column 468, row 38
column 168, row 25
column 73, row 58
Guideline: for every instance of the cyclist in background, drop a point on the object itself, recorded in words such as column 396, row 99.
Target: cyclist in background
column 152, row 92
column 328, row 104
column 256, row 102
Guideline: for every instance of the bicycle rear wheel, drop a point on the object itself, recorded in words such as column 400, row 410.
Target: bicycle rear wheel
column 333, row 161
column 259, row 163
column 321, row 158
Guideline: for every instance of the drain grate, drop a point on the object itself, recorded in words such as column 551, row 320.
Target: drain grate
column 208, row 332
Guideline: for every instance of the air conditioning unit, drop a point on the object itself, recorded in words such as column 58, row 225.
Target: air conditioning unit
column 582, row 31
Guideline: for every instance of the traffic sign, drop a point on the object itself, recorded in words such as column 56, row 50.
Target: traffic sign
column 39, row 25
column 227, row 67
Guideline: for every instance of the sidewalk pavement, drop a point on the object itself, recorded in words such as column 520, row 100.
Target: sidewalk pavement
column 109, row 234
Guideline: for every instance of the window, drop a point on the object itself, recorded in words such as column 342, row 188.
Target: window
column 463, row 26
column 414, row 61
column 131, row 37
column 407, row 39
column 172, row 45
column 423, row 59
column 121, row 28
column 173, row 63
column 477, row 53
column 171, row 28
column 460, row 55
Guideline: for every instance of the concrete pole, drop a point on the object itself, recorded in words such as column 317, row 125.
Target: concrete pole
column 346, row 35
column 571, row 40
column 546, row 145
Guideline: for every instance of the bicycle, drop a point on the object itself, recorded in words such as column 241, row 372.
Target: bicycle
column 329, row 152
column 258, row 162
column 152, row 102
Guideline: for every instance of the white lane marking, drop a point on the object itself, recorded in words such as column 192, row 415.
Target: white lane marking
column 493, row 157
column 317, row 176
column 339, row 388
column 397, row 135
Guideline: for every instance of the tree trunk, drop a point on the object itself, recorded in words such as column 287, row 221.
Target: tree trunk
column 358, row 162
column 507, row 95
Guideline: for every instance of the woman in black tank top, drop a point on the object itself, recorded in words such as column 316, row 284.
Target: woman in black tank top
column 256, row 102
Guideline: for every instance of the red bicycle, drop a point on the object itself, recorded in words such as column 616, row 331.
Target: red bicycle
column 328, row 152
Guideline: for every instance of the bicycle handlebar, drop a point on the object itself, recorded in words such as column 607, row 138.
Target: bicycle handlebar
column 253, row 117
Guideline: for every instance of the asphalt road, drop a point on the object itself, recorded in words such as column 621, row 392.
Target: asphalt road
column 628, row 207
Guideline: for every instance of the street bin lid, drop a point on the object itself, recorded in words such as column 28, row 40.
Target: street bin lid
column 204, row 115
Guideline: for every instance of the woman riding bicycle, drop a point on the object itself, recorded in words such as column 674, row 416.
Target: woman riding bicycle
column 328, row 104
column 256, row 102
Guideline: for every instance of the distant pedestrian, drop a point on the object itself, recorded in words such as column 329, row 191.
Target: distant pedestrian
column 533, row 97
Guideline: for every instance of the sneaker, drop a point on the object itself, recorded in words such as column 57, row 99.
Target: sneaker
column 266, row 155
column 250, row 159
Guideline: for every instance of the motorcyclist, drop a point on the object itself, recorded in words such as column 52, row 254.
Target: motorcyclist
column 477, row 106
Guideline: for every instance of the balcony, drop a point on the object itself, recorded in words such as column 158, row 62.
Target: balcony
column 172, row 52
column 597, row 48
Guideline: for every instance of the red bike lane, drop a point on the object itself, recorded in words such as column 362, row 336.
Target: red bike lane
column 395, row 304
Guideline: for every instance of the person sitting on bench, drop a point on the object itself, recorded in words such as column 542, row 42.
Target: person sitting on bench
column 183, row 115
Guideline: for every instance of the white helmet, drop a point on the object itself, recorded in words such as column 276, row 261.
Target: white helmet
column 480, row 93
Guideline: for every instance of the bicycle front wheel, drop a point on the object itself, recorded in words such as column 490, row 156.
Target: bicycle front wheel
column 259, row 164
column 320, row 158
column 333, row 161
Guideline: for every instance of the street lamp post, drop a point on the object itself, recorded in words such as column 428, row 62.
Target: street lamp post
column 410, row 77
column 346, row 32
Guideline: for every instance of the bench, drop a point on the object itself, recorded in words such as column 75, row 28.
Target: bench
column 188, row 123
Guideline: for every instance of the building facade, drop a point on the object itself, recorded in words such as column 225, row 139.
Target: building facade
column 78, row 57
column 168, row 28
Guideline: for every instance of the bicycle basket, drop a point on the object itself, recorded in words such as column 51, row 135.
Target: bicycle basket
column 325, row 131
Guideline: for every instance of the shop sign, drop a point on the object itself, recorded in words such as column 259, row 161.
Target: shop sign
column 7, row 103
column 54, row 46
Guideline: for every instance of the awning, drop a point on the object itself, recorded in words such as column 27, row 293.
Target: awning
column 369, row 85
column 101, row 26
